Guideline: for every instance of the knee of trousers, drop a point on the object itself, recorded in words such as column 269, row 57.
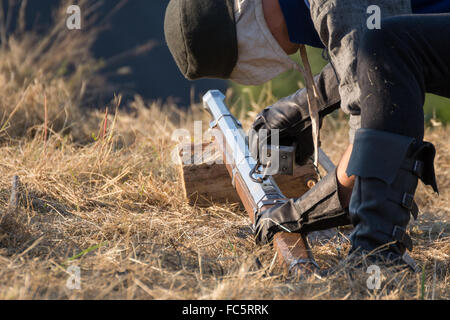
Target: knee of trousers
column 391, row 37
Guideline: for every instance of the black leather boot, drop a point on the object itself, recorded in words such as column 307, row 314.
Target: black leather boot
column 387, row 168
column 318, row 209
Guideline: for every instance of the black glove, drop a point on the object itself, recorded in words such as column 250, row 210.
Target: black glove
column 318, row 209
column 291, row 116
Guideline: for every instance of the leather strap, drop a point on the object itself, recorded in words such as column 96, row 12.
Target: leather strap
column 414, row 166
column 406, row 200
column 399, row 234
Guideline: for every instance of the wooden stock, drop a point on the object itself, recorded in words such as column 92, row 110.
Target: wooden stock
column 290, row 247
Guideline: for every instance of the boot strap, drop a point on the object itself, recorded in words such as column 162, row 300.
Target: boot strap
column 414, row 166
column 424, row 170
column 421, row 164
column 399, row 234
column 406, row 200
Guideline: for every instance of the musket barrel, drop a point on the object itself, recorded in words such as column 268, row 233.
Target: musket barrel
column 292, row 248
column 238, row 154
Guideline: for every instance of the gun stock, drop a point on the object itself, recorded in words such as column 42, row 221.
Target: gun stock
column 231, row 140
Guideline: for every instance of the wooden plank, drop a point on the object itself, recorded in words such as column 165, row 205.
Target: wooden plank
column 206, row 182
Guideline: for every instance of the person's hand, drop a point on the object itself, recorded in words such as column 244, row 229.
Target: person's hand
column 293, row 123
column 281, row 217
column 290, row 115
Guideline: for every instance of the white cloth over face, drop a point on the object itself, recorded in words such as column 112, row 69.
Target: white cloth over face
column 260, row 57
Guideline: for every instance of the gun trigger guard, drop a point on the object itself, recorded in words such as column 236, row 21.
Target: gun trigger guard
column 256, row 170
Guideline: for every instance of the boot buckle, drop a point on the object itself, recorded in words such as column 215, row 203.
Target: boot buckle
column 414, row 166
column 418, row 168
column 408, row 201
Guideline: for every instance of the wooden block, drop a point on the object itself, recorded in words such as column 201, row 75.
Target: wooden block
column 206, row 182
column 304, row 178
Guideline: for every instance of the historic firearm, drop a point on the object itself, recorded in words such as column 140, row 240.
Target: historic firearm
column 257, row 192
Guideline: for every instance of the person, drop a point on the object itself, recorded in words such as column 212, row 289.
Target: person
column 249, row 41
column 397, row 65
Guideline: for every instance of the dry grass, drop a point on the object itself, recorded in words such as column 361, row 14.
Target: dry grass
column 54, row 71
column 112, row 206
column 120, row 198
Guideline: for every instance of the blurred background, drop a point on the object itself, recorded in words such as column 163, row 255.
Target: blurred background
column 130, row 43
column 133, row 58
